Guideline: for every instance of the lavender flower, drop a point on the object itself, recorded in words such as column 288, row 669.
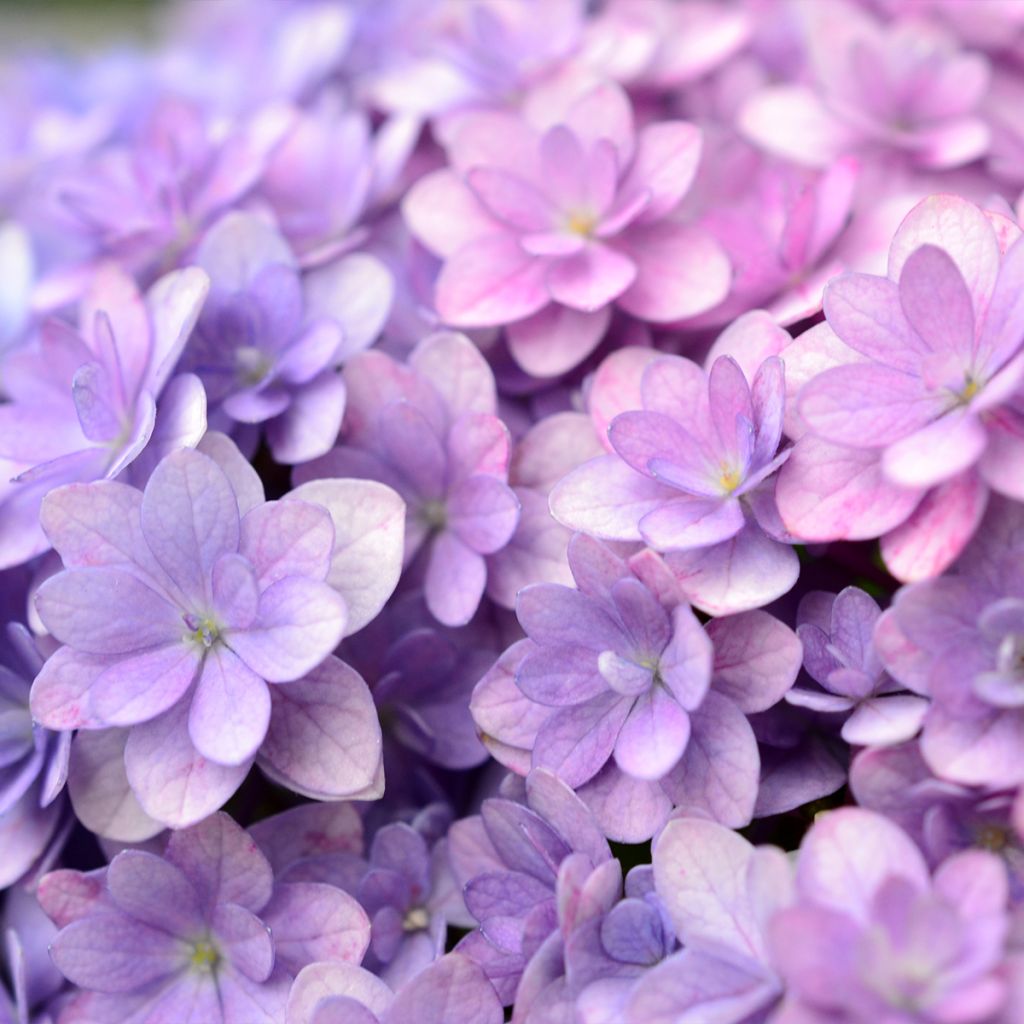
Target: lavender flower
column 839, row 653
column 692, row 474
column 201, row 931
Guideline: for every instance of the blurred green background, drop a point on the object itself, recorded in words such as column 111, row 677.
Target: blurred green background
column 77, row 23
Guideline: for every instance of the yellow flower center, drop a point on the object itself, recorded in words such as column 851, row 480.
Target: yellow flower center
column 730, row 479
column 581, row 222
column 204, row 957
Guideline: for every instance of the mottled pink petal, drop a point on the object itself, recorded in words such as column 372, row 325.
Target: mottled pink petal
column 686, row 522
column 444, row 214
column 287, row 538
column 681, row 271
column 491, row 281
column 936, row 452
column 556, row 339
column 140, row 687
column 590, row 279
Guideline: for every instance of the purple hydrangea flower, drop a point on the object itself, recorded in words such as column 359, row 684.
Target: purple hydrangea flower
column 199, row 932
column 836, row 631
column 269, row 342
column 915, row 416
column 429, row 430
column 33, row 763
column 722, row 895
column 587, row 969
column 508, row 860
column 941, row 817
column 181, row 603
column 453, row 988
column 147, row 200
column 872, row 935
column 548, row 228
column 622, row 693
column 83, row 404
column 692, row 474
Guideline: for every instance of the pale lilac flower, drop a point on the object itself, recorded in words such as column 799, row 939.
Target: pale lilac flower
column 509, row 859
column 429, row 430
column 200, row 932
column 942, row 817
column 631, row 701
column 903, row 90
column 692, row 474
column 913, row 413
column 181, row 603
column 721, row 895
column 269, row 342
column 332, row 171
column 872, row 935
column 453, row 988
column 608, row 944
column 147, row 201
column 83, row 404
column 439, row 56
column 545, row 227
column 836, row 631
column 33, row 763
column 18, row 273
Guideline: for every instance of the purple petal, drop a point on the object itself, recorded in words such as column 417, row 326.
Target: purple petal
column 244, row 940
column 757, row 659
column 456, row 577
column 561, row 675
column 324, row 736
column 311, row 423
column 452, row 988
column 590, row 279
column 927, row 272
column 171, row 780
column 235, row 592
column 300, row 622
column 936, row 452
column 369, row 524
column 718, row 774
column 142, row 686
column 686, row 523
column 110, row 952
column 149, row 889
column 106, row 611
column 321, row 981
column 230, row 710
column 189, row 519
column 653, row 737
column 576, row 741
column 483, row 513
column 287, row 538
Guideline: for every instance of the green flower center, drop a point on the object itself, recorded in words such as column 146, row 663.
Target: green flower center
column 205, row 957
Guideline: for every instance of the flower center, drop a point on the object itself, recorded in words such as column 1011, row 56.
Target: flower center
column 416, row 920
column 252, row 365
column 434, row 514
column 203, row 631
column 992, row 837
column 205, row 957
column 581, row 222
column 730, row 479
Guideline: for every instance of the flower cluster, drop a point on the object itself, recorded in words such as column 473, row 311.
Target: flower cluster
column 514, row 510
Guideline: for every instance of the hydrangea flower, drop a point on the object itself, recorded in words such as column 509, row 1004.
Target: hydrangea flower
column 915, row 418
column 146, row 200
column 33, row 763
column 943, row 818
column 692, row 473
column 453, row 988
column 83, row 404
column 722, row 896
column 508, row 860
column 621, row 692
column 198, row 932
column 180, row 604
column 905, row 88
column 269, row 342
column 429, row 430
column 873, row 934
column 836, row 631
column 544, row 227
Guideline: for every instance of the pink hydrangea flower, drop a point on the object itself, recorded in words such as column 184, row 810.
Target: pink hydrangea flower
column 545, row 227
